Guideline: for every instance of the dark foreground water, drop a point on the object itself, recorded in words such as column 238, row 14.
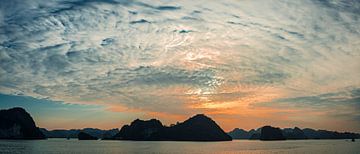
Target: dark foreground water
column 63, row 146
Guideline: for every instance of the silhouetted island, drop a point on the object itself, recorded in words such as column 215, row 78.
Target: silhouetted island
column 269, row 133
column 294, row 134
column 291, row 134
column 197, row 128
column 325, row 134
column 238, row 133
column 73, row 133
column 16, row 123
column 85, row 136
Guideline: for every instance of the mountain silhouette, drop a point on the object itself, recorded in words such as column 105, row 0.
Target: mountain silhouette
column 292, row 134
column 85, row 136
column 241, row 133
column 325, row 134
column 16, row 123
column 197, row 128
column 269, row 133
column 73, row 133
column 142, row 130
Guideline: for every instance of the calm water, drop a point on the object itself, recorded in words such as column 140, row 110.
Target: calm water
column 62, row 146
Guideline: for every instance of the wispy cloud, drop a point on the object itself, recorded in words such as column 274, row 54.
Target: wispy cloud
column 181, row 56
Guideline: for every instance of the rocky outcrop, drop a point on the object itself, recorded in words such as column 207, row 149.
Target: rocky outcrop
column 325, row 134
column 197, row 128
column 16, row 123
column 294, row 134
column 269, row 133
column 238, row 133
column 85, row 136
column 73, row 133
column 150, row 130
column 256, row 135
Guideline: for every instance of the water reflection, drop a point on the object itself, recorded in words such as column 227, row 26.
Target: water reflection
column 63, row 146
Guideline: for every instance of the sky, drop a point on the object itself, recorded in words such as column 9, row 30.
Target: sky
column 244, row 63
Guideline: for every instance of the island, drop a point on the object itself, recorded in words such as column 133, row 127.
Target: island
column 16, row 123
column 269, row 133
column 238, row 133
column 196, row 128
column 273, row 133
column 73, row 133
column 86, row 136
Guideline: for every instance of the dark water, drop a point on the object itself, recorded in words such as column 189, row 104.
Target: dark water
column 62, row 146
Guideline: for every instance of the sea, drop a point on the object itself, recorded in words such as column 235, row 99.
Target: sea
column 64, row 146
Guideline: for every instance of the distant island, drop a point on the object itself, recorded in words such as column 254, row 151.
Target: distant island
column 74, row 133
column 269, row 133
column 16, row 123
column 197, row 128
column 86, row 136
column 274, row 133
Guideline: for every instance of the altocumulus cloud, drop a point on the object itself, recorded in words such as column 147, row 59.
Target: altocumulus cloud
column 168, row 56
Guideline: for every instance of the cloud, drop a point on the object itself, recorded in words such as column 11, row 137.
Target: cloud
column 179, row 57
column 139, row 21
column 342, row 105
column 347, row 97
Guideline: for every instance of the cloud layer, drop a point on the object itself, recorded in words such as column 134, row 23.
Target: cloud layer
column 181, row 57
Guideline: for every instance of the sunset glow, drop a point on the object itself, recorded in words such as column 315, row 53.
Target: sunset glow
column 244, row 63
